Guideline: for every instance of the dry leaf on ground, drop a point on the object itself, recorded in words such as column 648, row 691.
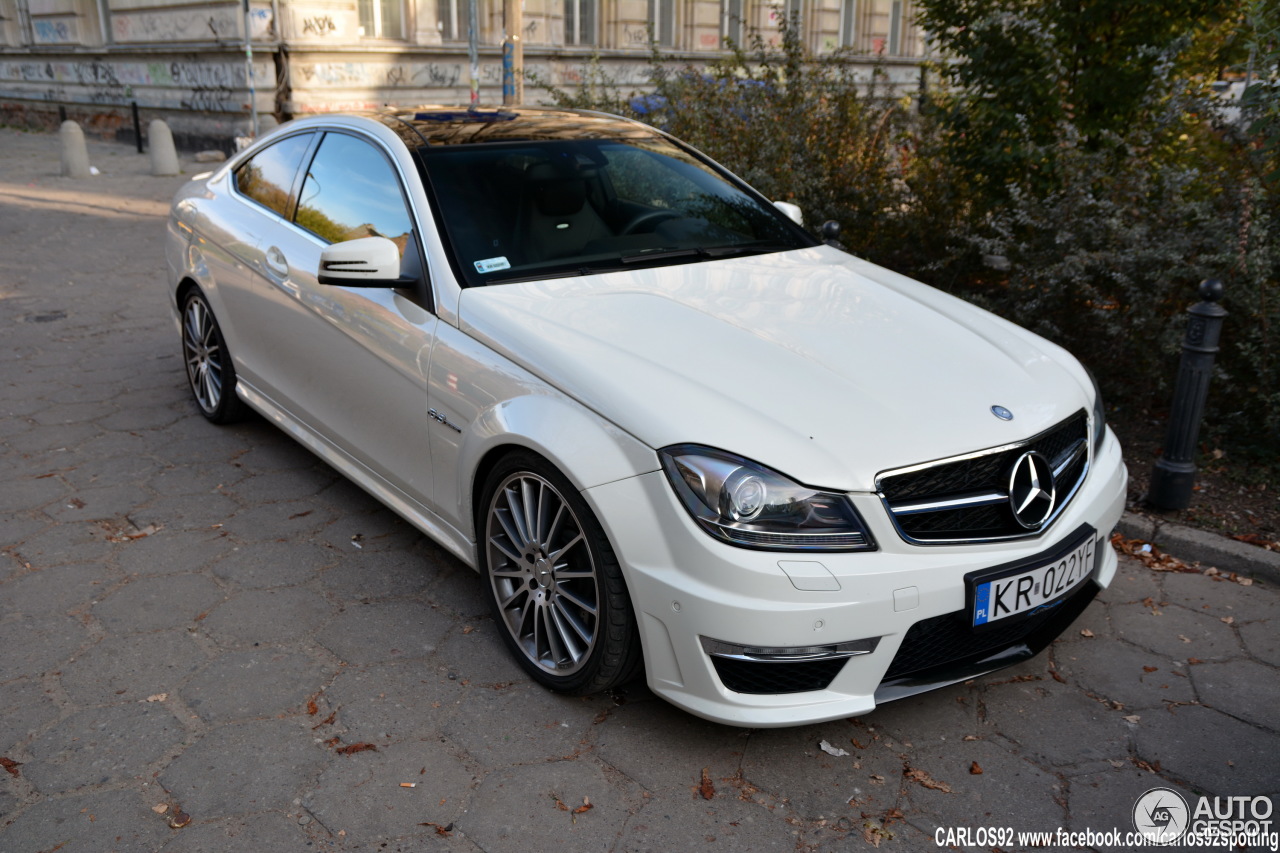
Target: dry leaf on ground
column 706, row 788
column 353, row 748
column 925, row 779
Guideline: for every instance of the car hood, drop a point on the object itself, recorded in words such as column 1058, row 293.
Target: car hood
column 822, row 366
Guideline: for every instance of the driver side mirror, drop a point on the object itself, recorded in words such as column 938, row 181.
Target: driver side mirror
column 366, row 262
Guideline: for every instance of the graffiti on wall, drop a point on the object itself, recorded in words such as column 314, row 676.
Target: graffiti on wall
column 218, row 23
column 217, row 87
column 319, row 25
column 54, row 32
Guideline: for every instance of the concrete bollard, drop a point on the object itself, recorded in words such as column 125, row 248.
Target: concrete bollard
column 75, row 156
column 164, row 157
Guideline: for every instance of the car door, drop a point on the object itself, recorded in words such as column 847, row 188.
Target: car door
column 350, row 363
column 254, row 201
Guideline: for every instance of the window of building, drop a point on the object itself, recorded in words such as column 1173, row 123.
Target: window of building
column 580, row 21
column 662, row 16
column 381, row 19
column 848, row 23
column 733, row 14
column 895, row 28
column 267, row 177
column 350, row 192
column 452, row 19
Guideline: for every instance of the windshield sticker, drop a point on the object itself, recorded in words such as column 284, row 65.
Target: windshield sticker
column 492, row 265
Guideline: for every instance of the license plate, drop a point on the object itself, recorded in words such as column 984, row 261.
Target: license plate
column 1022, row 591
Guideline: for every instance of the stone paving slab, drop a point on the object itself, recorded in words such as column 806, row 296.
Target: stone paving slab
column 186, row 620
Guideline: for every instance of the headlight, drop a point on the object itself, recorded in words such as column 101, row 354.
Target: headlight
column 1099, row 414
column 748, row 505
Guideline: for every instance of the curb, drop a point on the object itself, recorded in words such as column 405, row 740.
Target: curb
column 1211, row 549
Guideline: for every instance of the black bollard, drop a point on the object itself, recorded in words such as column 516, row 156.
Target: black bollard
column 137, row 126
column 1173, row 475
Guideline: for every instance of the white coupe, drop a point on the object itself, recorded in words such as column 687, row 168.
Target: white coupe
column 671, row 430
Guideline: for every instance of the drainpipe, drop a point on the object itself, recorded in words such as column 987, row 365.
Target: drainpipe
column 473, row 51
column 248, row 65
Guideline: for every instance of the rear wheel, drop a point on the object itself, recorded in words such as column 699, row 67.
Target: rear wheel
column 210, row 372
column 555, row 587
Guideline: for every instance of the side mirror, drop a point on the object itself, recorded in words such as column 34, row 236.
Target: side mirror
column 793, row 211
column 367, row 262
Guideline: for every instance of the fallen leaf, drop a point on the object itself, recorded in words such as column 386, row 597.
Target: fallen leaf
column 10, row 765
column 1133, row 718
column 326, row 721
column 855, row 742
column 1184, row 638
column 332, row 742
column 975, row 769
column 1194, row 661
column 1085, row 632
column 446, row 831
column 468, row 629
column 970, row 737
column 312, row 708
column 877, row 778
column 1229, row 619
column 1057, row 676
column 925, row 779
column 157, row 697
column 179, row 818
column 353, row 748
column 706, row 788
column 585, row 807
column 160, row 808
column 832, row 750
column 1150, row 669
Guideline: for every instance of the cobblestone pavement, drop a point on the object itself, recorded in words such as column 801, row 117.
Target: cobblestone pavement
column 210, row 619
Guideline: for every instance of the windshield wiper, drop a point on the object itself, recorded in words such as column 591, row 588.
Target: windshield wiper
column 645, row 255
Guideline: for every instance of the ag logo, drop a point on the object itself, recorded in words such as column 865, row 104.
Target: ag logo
column 1161, row 815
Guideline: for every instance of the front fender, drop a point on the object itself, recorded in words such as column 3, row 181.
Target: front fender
column 490, row 405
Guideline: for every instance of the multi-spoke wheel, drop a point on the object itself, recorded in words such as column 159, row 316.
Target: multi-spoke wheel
column 209, row 369
column 554, row 583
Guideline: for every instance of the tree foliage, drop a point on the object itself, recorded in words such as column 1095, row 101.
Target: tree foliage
column 1016, row 71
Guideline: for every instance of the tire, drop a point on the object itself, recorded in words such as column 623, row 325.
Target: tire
column 210, row 373
column 554, row 585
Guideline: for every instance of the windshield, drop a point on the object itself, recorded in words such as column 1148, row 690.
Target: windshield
column 542, row 209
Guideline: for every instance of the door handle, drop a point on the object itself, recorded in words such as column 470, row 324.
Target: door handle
column 276, row 262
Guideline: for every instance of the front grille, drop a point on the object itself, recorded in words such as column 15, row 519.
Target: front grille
column 948, row 640
column 967, row 498
column 745, row 676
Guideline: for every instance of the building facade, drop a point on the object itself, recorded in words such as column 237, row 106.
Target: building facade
column 191, row 63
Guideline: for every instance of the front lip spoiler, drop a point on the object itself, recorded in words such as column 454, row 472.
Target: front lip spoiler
column 954, row 672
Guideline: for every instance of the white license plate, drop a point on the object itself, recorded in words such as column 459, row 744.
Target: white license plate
column 1035, row 589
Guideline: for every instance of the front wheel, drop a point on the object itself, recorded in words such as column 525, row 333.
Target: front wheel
column 555, row 587
column 210, row 373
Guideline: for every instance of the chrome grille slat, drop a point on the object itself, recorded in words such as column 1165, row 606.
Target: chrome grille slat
column 965, row 498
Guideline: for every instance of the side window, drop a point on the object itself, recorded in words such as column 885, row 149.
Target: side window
column 268, row 176
column 351, row 191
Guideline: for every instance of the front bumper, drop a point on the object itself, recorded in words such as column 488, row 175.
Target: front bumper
column 687, row 588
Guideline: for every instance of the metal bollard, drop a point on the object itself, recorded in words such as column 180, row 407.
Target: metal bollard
column 1173, row 475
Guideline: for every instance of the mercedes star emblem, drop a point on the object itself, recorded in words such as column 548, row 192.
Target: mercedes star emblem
column 1031, row 490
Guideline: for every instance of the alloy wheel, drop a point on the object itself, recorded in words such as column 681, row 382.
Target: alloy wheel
column 544, row 578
